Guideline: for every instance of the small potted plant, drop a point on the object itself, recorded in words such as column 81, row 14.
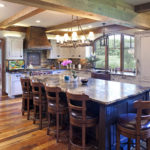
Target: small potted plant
column 92, row 60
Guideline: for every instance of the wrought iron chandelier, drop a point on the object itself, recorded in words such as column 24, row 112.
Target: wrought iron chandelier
column 104, row 37
column 74, row 40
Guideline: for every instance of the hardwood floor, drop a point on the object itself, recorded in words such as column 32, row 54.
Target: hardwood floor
column 18, row 133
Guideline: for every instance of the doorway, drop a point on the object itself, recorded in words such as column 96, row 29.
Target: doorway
column 2, row 67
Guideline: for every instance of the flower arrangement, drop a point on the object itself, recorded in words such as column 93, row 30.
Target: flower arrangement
column 67, row 62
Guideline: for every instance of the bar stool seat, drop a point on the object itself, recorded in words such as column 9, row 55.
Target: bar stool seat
column 135, row 126
column 129, row 121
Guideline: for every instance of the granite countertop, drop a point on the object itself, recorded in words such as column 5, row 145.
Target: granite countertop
column 101, row 91
column 115, row 73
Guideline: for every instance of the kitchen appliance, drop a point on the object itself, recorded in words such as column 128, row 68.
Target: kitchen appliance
column 13, row 65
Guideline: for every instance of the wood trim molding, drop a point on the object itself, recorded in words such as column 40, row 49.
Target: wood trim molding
column 23, row 14
column 142, row 8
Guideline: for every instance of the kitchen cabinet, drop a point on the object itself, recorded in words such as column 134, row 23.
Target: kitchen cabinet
column 13, row 84
column 142, row 54
column 69, row 52
column 14, row 48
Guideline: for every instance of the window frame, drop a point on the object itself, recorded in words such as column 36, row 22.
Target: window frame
column 122, row 48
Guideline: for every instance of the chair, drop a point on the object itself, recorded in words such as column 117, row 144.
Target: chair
column 57, row 105
column 135, row 126
column 39, row 101
column 79, row 117
column 26, row 96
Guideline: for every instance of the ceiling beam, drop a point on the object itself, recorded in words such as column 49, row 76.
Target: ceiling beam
column 101, row 10
column 15, row 28
column 109, row 29
column 70, row 24
column 23, row 14
column 142, row 8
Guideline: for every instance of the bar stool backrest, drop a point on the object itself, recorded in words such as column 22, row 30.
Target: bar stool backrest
column 77, row 103
column 25, row 83
column 52, row 94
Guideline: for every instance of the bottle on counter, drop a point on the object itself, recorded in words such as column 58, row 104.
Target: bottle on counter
column 79, row 66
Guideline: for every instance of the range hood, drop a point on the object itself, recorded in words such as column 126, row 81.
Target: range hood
column 36, row 39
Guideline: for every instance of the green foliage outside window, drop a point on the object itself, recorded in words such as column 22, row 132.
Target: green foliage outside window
column 114, row 53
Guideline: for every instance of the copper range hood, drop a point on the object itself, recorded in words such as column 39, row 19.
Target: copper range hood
column 36, row 39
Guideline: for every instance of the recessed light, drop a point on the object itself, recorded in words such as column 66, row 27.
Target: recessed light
column 37, row 21
column 2, row 5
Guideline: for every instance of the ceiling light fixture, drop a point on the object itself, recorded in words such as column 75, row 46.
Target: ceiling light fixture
column 104, row 37
column 74, row 40
column 2, row 5
column 37, row 21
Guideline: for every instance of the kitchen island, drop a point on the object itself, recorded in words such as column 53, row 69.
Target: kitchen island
column 113, row 99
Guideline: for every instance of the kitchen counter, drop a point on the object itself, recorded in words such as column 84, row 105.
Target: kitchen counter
column 112, row 98
column 101, row 91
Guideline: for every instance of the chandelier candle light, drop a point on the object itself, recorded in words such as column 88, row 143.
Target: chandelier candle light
column 75, row 40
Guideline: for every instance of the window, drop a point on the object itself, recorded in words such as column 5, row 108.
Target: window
column 129, row 60
column 114, row 51
column 100, row 54
column 120, row 51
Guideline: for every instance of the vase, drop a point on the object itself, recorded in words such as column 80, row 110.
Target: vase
column 66, row 78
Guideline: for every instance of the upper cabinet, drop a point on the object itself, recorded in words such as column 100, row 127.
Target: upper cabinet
column 14, row 48
column 142, row 45
column 62, row 52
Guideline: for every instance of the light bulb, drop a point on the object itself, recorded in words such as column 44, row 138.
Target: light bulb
column 83, row 38
column 57, row 38
column 74, row 36
column 91, row 36
column 66, row 37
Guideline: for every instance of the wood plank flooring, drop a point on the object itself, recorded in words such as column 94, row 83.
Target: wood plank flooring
column 18, row 133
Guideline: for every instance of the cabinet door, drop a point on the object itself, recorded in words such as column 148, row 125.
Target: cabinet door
column 8, row 48
column 17, row 48
column 145, row 59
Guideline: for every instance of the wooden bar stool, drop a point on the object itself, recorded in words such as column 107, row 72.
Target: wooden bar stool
column 27, row 96
column 39, row 100
column 79, row 117
column 135, row 126
column 57, row 105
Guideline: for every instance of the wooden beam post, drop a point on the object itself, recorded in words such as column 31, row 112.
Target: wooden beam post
column 142, row 8
column 23, row 14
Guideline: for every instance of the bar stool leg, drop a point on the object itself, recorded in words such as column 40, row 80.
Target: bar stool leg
column 70, row 137
column 48, row 128
column 40, row 115
column 28, row 108
column 118, row 140
column 57, row 126
column 34, row 119
column 83, row 136
column 148, row 143
column 138, row 143
column 129, row 143
column 23, row 105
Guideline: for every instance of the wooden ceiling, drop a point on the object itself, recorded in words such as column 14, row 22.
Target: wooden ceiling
column 90, row 11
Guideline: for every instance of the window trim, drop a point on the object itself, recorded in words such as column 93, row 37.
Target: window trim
column 122, row 48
